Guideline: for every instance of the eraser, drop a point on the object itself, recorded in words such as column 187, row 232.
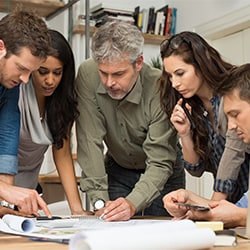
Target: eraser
column 214, row 225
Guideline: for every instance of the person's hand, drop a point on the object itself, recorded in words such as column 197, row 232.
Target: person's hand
column 82, row 212
column 180, row 195
column 180, row 120
column 27, row 200
column 117, row 210
column 227, row 212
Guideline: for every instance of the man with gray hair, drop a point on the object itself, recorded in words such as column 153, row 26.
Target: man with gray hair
column 119, row 104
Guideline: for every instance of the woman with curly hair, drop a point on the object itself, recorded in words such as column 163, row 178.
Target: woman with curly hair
column 48, row 109
column 193, row 70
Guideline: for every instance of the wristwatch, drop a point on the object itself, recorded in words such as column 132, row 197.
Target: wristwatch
column 99, row 204
column 6, row 204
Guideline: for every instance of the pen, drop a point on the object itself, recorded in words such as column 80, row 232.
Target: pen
column 62, row 241
column 101, row 216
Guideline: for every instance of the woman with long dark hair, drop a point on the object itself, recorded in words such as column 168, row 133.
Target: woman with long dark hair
column 48, row 110
column 192, row 72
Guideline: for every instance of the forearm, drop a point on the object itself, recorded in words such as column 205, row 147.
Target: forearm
column 7, row 178
column 68, row 179
column 66, row 171
column 217, row 196
column 149, row 185
column 188, row 152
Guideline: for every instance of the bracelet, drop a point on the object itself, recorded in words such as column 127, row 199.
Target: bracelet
column 6, row 204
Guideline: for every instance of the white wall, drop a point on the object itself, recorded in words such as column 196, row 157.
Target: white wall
column 190, row 14
column 195, row 12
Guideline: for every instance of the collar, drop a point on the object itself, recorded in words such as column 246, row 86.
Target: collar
column 134, row 96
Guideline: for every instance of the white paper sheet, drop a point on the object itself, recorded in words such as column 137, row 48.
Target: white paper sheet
column 164, row 235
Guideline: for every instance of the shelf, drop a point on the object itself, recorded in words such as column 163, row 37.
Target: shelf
column 149, row 38
column 41, row 7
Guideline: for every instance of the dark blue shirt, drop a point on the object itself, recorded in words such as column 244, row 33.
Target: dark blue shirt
column 9, row 130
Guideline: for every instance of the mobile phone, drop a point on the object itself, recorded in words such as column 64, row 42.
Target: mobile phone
column 183, row 105
column 196, row 207
column 187, row 113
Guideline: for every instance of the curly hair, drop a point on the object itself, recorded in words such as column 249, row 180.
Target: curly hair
column 61, row 106
column 208, row 65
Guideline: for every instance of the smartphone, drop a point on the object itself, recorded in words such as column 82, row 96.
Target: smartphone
column 178, row 96
column 196, row 207
column 187, row 113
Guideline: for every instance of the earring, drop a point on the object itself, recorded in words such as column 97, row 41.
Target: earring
column 2, row 46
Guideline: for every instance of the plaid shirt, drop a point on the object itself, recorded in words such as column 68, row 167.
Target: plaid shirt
column 234, row 187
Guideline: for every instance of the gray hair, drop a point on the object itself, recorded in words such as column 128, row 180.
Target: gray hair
column 117, row 40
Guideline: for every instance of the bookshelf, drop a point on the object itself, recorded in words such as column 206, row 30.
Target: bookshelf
column 149, row 38
column 43, row 8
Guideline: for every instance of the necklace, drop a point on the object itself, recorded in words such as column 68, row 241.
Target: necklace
column 205, row 113
column 41, row 116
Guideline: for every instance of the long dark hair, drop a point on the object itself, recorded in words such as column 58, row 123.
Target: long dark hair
column 61, row 106
column 208, row 65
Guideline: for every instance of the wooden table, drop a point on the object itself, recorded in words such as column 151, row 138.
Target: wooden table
column 13, row 242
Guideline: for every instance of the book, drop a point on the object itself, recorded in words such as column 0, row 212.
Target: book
column 139, row 20
column 165, row 11
column 109, row 8
column 136, row 14
column 225, row 238
column 173, row 23
column 168, row 22
column 144, row 20
column 151, row 20
column 159, row 23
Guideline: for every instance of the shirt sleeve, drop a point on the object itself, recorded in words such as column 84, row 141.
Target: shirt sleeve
column 230, row 163
column 243, row 202
column 160, row 147
column 194, row 169
column 9, row 131
column 90, row 133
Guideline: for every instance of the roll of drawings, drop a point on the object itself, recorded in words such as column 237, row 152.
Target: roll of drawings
column 157, row 235
column 19, row 223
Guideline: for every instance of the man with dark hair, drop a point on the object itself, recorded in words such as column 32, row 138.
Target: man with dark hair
column 24, row 44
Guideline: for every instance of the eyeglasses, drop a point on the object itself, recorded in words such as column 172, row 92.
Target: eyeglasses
column 172, row 43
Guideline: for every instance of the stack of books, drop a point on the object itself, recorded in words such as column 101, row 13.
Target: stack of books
column 158, row 22
column 102, row 13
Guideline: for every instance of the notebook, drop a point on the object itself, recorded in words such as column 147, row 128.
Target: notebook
column 244, row 232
